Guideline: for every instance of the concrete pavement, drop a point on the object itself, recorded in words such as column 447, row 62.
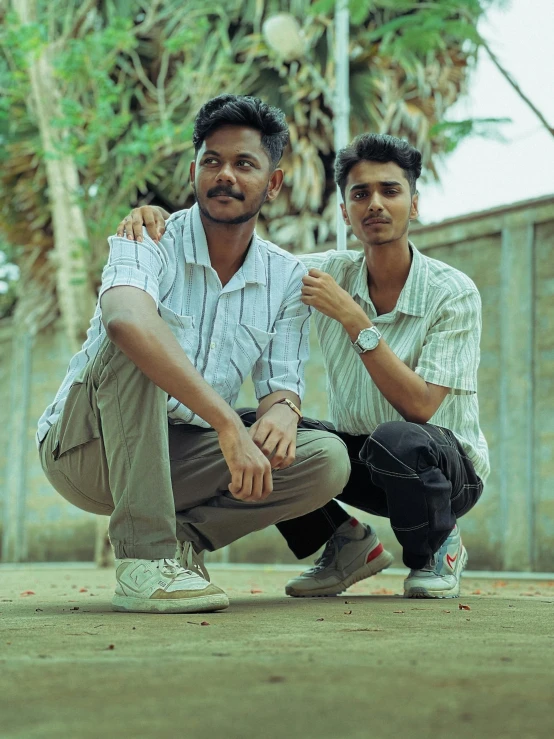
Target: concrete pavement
column 368, row 664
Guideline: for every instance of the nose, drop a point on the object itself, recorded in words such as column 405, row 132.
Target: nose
column 226, row 174
column 374, row 203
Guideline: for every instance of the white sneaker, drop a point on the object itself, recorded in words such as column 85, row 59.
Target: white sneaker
column 163, row 586
column 344, row 562
column 441, row 577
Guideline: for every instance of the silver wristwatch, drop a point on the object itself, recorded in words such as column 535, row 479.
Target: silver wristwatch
column 368, row 339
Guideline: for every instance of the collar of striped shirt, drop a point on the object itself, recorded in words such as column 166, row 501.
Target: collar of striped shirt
column 413, row 298
column 195, row 246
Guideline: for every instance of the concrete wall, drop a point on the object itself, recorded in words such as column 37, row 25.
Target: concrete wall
column 509, row 253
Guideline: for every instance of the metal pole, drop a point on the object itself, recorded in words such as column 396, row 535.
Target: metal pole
column 342, row 98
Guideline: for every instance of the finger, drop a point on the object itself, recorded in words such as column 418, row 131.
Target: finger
column 257, row 486
column 120, row 229
column 151, row 227
column 310, row 281
column 236, row 482
column 246, row 488
column 136, row 224
column 279, row 457
column 270, row 444
column 267, row 484
column 290, row 455
column 128, row 227
column 316, row 272
column 160, row 224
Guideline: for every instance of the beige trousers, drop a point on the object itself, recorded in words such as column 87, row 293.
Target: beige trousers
column 112, row 452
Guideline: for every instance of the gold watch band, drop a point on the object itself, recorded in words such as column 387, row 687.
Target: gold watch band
column 291, row 405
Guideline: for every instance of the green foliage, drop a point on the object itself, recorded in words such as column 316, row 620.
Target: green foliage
column 131, row 75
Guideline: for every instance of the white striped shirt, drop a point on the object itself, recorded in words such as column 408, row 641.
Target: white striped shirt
column 256, row 323
column 434, row 329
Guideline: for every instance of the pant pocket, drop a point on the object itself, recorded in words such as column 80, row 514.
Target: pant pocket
column 78, row 423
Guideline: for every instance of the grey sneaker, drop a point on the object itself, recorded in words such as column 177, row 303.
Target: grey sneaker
column 441, row 577
column 163, row 586
column 344, row 561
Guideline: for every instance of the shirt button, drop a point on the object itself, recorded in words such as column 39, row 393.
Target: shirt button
column 212, row 345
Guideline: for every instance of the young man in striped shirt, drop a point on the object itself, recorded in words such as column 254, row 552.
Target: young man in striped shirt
column 399, row 334
column 142, row 428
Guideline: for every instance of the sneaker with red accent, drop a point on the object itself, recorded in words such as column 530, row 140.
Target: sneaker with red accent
column 441, row 577
column 344, row 561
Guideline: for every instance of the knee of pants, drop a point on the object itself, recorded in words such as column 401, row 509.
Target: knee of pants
column 330, row 475
column 394, row 439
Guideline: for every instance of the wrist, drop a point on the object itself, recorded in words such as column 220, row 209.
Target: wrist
column 354, row 322
column 290, row 408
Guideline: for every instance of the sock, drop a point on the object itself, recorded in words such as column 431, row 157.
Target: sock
column 352, row 529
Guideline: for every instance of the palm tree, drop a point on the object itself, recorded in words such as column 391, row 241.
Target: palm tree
column 130, row 76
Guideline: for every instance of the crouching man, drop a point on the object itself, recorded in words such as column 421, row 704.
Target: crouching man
column 142, row 428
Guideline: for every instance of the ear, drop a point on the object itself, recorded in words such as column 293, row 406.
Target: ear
column 192, row 172
column 275, row 184
column 345, row 214
column 414, row 210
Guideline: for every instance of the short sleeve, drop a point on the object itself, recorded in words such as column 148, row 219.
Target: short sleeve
column 317, row 260
column 133, row 264
column 450, row 354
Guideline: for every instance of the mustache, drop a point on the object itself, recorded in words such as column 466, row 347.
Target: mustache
column 215, row 191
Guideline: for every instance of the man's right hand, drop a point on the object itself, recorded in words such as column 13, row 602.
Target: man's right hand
column 250, row 470
column 152, row 217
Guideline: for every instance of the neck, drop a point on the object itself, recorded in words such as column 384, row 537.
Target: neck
column 227, row 245
column 388, row 265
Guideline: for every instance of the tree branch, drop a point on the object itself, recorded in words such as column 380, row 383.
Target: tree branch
column 504, row 72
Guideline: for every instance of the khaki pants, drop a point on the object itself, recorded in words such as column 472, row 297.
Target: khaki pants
column 112, row 452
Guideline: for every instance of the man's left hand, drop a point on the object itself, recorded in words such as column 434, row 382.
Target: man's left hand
column 275, row 435
column 322, row 293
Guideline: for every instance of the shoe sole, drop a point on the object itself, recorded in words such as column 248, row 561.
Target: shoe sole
column 199, row 604
column 377, row 565
column 421, row 592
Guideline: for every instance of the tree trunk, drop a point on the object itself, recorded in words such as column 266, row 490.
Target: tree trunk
column 75, row 294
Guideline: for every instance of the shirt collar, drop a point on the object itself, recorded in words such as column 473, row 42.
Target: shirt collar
column 196, row 250
column 413, row 298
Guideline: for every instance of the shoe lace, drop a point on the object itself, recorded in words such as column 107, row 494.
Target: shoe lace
column 329, row 553
column 170, row 567
column 194, row 562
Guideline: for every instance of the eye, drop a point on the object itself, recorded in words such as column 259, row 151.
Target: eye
column 359, row 195
column 245, row 163
column 391, row 192
column 209, row 160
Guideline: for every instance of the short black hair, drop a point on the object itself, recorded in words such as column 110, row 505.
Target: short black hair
column 378, row 147
column 243, row 110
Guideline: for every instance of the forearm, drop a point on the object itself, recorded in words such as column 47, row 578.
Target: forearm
column 149, row 343
column 406, row 391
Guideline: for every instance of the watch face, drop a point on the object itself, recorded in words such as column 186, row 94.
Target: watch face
column 368, row 339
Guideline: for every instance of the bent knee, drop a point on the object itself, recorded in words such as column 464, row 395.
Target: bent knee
column 330, row 465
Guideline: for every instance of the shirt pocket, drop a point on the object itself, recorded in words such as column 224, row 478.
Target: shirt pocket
column 180, row 326
column 249, row 344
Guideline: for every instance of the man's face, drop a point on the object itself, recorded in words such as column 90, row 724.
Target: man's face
column 232, row 176
column 378, row 204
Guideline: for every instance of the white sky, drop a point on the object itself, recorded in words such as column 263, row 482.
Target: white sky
column 484, row 173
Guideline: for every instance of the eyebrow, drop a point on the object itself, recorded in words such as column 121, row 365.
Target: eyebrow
column 242, row 155
column 386, row 183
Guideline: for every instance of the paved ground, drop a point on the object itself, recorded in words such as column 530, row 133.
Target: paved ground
column 368, row 665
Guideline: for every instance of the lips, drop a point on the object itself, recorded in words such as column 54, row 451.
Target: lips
column 375, row 221
column 223, row 194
